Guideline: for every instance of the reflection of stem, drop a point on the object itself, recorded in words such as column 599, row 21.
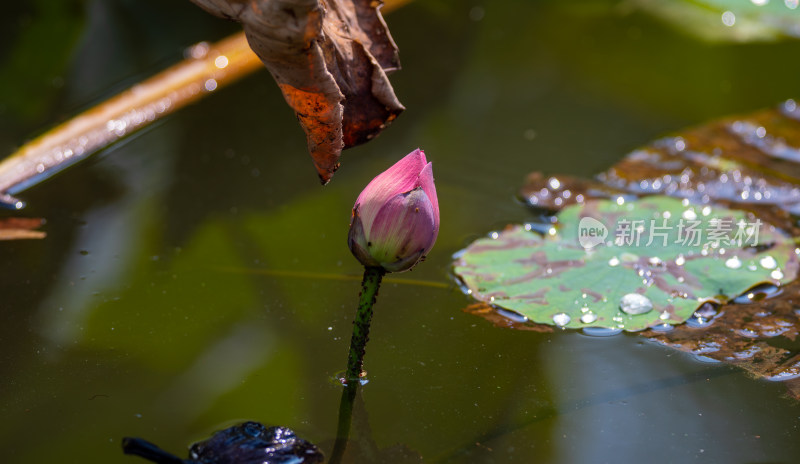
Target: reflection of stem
column 355, row 361
column 345, row 417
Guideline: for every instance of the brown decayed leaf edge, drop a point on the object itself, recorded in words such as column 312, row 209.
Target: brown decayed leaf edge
column 749, row 162
column 330, row 59
column 493, row 315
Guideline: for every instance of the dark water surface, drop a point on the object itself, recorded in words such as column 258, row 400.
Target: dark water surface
column 197, row 274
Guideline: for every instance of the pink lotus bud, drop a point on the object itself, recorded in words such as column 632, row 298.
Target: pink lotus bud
column 396, row 218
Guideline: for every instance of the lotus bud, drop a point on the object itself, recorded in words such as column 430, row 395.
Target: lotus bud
column 396, row 218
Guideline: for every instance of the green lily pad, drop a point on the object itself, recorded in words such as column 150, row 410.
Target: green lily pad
column 626, row 264
column 729, row 20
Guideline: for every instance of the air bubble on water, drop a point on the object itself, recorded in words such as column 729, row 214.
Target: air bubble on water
column 768, row 262
column 706, row 310
column 733, row 262
column 561, row 319
column 746, row 332
column 680, row 144
column 634, row 303
column 698, row 322
column 662, row 327
column 600, row 331
column 613, row 261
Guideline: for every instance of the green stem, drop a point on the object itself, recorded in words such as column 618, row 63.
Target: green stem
column 355, row 360
column 358, row 342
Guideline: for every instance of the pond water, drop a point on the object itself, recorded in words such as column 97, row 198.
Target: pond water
column 197, row 275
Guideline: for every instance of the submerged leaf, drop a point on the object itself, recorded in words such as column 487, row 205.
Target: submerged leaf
column 629, row 265
column 330, row 58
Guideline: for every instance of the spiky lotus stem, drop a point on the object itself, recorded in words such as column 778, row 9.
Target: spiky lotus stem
column 358, row 342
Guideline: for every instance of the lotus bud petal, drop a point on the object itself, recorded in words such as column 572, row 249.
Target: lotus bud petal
column 396, row 218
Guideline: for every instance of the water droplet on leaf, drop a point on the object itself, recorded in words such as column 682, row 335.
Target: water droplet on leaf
column 634, row 303
column 561, row 319
column 733, row 262
column 768, row 262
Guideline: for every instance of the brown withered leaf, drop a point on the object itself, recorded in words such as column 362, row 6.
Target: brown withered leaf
column 505, row 319
column 759, row 337
column 749, row 162
column 330, row 59
column 16, row 228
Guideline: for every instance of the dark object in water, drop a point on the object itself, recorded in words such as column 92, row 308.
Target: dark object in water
column 246, row 443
